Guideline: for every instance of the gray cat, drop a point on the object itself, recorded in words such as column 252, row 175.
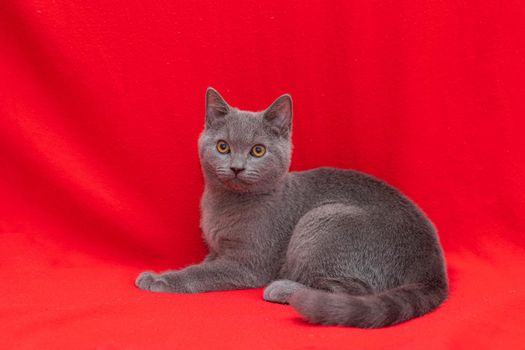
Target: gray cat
column 341, row 247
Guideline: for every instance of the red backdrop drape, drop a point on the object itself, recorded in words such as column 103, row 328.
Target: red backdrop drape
column 101, row 104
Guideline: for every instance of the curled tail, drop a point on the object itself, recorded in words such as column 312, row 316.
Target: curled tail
column 368, row 311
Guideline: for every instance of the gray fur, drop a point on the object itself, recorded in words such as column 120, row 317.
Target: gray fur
column 340, row 246
column 281, row 290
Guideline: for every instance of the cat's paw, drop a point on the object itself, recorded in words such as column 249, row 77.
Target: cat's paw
column 160, row 285
column 146, row 279
column 280, row 291
column 155, row 282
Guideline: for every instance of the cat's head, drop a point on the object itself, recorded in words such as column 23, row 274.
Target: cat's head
column 244, row 151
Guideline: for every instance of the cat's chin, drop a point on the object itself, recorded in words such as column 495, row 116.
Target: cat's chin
column 237, row 185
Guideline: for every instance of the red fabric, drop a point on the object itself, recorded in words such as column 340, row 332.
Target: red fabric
column 101, row 104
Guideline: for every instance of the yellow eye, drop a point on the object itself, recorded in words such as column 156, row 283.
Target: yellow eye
column 223, row 147
column 258, row 151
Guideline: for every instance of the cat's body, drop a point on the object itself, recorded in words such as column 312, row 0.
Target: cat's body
column 340, row 246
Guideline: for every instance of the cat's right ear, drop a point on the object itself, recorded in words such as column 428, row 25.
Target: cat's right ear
column 279, row 115
column 216, row 108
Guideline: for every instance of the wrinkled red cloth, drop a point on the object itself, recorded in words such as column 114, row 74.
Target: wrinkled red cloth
column 101, row 105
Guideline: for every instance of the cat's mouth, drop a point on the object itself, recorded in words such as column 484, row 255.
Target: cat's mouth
column 237, row 184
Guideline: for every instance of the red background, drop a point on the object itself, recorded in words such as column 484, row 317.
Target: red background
column 101, row 104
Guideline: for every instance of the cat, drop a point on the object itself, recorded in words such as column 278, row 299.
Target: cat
column 339, row 246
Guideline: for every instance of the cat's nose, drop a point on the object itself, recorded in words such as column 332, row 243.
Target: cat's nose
column 236, row 171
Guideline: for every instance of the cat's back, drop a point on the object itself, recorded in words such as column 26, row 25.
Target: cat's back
column 348, row 186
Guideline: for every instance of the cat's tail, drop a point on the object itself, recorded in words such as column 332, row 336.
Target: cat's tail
column 368, row 311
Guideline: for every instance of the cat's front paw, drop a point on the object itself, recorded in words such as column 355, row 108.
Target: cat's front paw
column 155, row 282
column 146, row 279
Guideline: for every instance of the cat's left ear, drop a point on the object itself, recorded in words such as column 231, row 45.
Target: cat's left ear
column 279, row 115
column 216, row 107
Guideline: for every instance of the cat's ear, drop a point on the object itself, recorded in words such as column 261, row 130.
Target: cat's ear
column 279, row 115
column 216, row 107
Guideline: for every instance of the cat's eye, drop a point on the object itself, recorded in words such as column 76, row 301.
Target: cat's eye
column 223, row 147
column 258, row 151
